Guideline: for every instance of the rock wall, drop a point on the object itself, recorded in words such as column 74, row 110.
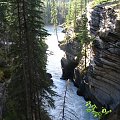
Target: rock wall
column 69, row 61
column 104, row 71
column 101, row 83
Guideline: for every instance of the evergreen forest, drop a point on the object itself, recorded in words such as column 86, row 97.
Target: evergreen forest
column 28, row 92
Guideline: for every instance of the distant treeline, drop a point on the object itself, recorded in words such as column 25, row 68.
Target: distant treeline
column 60, row 11
column 60, row 7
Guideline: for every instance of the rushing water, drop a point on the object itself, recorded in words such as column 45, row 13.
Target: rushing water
column 74, row 103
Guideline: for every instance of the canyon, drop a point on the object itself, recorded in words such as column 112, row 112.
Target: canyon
column 96, row 74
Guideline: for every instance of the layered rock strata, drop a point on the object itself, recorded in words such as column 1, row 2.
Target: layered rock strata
column 104, row 70
column 101, row 83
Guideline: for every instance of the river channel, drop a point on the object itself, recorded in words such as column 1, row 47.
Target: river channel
column 75, row 108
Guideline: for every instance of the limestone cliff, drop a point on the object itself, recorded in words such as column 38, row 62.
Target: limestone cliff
column 101, row 82
column 104, row 70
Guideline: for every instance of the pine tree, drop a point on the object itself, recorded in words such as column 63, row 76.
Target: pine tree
column 29, row 89
column 54, row 13
column 76, row 8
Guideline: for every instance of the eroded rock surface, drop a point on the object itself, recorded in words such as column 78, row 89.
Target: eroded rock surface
column 104, row 71
column 101, row 83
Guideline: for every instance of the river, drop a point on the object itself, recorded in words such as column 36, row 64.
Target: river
column 75, row 108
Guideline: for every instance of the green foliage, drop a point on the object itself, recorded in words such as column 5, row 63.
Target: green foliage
column 82, row 34
column 70, row 15
column 97, row 114
column 55, row 11
column 76, row 8
column 29, row 90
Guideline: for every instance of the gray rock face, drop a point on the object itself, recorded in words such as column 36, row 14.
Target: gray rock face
column 68, row 68
column 69, row 61
column 104, row 71
column 102, row 82
column 116, row 114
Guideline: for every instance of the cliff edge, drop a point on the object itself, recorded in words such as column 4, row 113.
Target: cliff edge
column 99, row 79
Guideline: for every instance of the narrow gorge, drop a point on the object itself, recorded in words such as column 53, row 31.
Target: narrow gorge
column 95, row 66
column 59, row 59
